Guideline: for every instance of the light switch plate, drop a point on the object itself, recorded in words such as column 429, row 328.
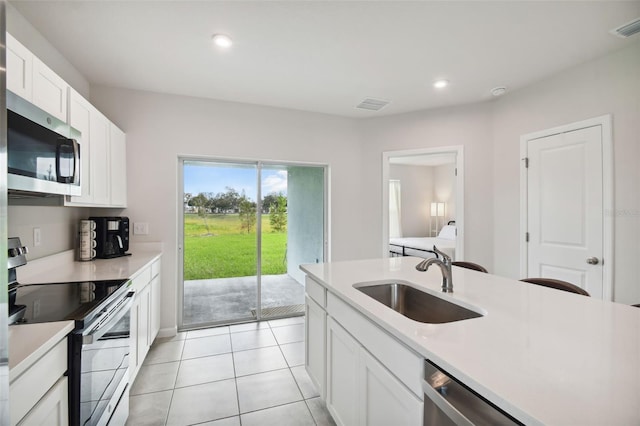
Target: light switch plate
column 140, row 228
column 37, row 237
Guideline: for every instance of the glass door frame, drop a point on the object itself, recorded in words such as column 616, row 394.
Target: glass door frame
column 180, row 225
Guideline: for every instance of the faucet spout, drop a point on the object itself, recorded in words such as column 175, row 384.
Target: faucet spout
column 445, row 268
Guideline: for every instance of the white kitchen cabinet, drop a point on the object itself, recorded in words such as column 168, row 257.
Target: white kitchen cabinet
column 117, row 167
column 29, row 78
column 37, row 393
column 102, row 153
column 383, row 399
column 315, row 344
column 52, row 409
column 343, row 353
column 145, row 315
column 156, row 291
column 49, row 90
column 19, row 68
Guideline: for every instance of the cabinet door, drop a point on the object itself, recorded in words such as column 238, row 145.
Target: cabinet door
column 100, row 168
column 315, row 344
column 52, row 409
column 49, row 90
column 80, row 119
column 156, row 289
column 134, row 353
column 144, row 331
column 118, row 167
column 342, row 374
column 383, row 399
column 19, row 68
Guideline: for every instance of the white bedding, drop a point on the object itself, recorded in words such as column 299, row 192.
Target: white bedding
column 445, row 241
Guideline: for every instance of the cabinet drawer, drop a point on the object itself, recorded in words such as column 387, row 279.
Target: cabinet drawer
column 142, row 279
column 316, row 292
column 26, row 390
column 155, row 268
column 405, row 364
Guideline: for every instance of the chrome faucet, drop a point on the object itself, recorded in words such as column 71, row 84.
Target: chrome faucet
column 445, row 268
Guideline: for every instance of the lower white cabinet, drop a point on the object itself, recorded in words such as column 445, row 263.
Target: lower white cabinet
column 384, row 400
column 145, row 315
column 315, row 344
column 39, row 394
column 52, row 409
column 360, row 390
column 343, row 387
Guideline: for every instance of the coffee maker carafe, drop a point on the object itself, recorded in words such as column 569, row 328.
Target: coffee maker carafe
column 112, row 236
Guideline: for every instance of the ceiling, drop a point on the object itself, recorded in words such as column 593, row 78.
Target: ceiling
column 328, row 56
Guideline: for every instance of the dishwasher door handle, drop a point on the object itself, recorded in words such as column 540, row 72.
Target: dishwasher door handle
column 441, row 402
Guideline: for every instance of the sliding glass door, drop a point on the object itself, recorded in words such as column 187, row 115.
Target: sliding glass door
column 246, row 228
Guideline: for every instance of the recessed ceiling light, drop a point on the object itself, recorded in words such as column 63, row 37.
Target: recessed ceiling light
column 440, row 84
column 222, row 40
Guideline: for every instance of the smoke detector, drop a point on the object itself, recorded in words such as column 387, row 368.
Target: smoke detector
column 372, row 104
column 628, row 29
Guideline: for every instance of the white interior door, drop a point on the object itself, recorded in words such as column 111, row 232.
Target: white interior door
column 565, row 208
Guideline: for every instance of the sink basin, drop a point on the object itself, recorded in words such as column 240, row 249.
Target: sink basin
column 416, row 304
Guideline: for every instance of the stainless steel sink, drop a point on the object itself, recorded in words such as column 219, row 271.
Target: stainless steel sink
column 416, row 304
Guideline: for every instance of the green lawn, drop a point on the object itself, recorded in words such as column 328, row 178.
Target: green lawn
column 226, row 251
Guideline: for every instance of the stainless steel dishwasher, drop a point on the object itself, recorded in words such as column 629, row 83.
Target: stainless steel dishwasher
column 448, row 402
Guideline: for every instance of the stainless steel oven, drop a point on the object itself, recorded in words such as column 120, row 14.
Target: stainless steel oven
column 98, row 365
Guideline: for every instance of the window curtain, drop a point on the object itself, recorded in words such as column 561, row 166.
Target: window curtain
column 395, row 223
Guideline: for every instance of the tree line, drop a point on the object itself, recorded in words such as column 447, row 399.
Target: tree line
column 231, row 201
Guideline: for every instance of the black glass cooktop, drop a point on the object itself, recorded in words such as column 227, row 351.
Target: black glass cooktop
column 78, row 301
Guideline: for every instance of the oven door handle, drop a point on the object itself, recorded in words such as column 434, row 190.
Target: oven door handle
column 103, row 324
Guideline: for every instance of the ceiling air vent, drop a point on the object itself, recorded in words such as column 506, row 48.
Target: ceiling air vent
column 628, row 29
column 372, row 104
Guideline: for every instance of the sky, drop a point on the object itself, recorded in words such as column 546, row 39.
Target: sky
column 210, row 177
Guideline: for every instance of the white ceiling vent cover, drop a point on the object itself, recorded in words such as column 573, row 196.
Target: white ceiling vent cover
column 372, row 104
column 628, row 29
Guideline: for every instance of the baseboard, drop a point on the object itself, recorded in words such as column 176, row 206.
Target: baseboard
column 168, row 332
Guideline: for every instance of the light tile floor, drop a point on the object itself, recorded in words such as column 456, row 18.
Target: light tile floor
column 246, row 374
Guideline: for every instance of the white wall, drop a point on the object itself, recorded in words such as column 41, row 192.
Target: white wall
column 444, row 189
column 608, row 85
column 416, row 194
column 159, row 128
column 468, row 125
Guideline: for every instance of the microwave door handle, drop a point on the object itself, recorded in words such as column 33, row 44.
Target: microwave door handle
column 93, row 334
column 76, row 161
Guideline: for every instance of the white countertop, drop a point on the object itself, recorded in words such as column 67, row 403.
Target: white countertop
column 543, row 355
column 29, row 342
column 63, row 268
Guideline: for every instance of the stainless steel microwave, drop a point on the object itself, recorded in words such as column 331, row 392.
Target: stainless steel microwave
column 43, row 152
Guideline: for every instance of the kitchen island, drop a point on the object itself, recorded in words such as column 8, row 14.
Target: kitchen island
column 541, row 355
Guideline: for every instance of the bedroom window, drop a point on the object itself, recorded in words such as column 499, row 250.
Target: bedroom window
column 395, row 222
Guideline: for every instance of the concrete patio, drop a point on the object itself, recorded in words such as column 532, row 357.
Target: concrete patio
column 229, row 300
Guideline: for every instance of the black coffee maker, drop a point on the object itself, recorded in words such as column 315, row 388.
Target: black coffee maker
column 112, row 236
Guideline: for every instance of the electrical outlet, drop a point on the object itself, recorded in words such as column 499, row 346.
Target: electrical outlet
column 141, row 228
column 37, row 237
column 36, row 308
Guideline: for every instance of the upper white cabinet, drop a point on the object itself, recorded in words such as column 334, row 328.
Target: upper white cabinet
column 103, row 156
column 29, row 78
column 118, row 166
column 19, row 68
column 49, row 90
column 103, row 174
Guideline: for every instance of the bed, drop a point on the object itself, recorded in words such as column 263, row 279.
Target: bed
column 423, row 246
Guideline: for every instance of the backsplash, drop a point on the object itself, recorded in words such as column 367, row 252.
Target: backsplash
column 58, row 227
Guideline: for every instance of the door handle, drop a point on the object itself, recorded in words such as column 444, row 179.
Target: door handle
column 593, row 260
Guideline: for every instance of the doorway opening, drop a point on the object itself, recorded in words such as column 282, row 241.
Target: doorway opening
column 245, row 227
column 423, row 202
